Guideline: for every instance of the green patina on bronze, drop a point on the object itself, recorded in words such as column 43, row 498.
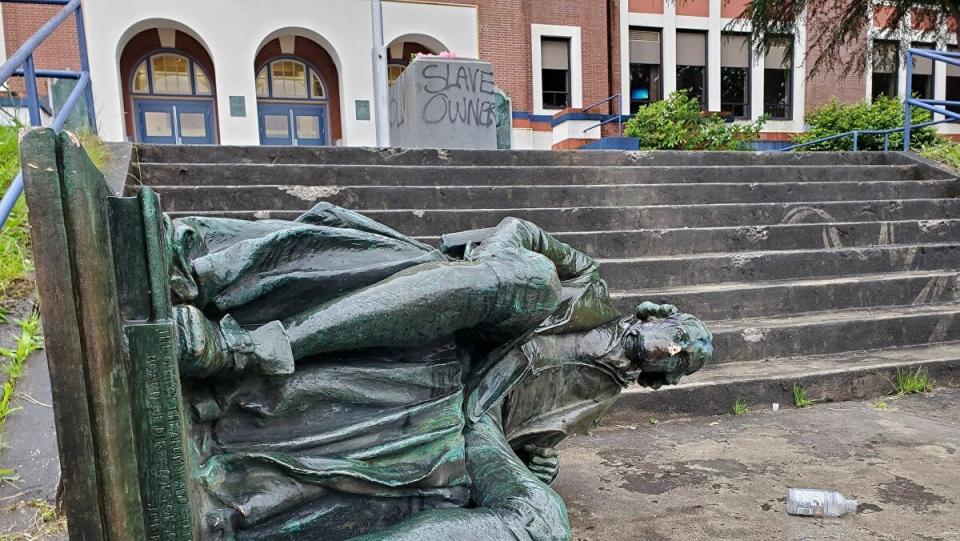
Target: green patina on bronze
column 338, row 379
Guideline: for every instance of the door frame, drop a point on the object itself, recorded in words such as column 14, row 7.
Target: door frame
column 290, row 109
column 174, row 107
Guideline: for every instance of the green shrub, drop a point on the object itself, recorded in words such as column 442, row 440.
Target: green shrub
column 884, row 113
column 677, row 123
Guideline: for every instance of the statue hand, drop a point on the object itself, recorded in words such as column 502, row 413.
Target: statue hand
column 648, row 310
column 542, row 462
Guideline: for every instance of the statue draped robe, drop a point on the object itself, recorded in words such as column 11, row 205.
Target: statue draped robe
column 355, row 441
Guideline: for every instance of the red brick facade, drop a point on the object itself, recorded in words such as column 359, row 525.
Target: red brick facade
column 505, row 42
column 59, row 51
column 837, row 83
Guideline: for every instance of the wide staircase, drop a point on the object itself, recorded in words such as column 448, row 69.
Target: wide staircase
column 829, row 271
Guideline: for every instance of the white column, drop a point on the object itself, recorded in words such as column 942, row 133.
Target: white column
column 905, row 43
column 756, row 85
column 625, row 57
column 799, row 73
column 669, row 55
column 868, row 73
column 3, row 40
column 714, row 44
column 940, row 69
column 235, row 78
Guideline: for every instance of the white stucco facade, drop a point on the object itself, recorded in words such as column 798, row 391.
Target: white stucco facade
column 233, row 31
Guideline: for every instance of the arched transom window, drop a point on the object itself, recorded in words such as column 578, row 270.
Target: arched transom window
column 290, row 79
column 171, row 74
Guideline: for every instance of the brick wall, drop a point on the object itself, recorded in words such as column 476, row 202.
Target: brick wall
column 505, row 42
column 59, row 51
column 844, row 85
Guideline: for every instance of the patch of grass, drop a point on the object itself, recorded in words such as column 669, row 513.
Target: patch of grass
column 740, row 407
column 29, row 340
column 16, row 262
column 880, row 405
column 16, row 258
column 944, row 151
column 912, row 382
column 45, row 521
column 800, row 399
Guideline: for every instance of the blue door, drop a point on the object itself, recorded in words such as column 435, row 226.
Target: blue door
column 292, row 124
column 173, row 122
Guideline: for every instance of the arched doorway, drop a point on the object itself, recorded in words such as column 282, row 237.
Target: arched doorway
column 169, row 90
column 402, row 50
column 297, row 93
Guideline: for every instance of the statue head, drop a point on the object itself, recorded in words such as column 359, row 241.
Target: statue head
column 665, row 345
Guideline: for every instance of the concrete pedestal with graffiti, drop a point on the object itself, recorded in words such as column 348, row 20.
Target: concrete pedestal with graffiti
column 444, row 103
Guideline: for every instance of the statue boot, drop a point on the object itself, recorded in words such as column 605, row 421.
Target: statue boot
column 207, row 347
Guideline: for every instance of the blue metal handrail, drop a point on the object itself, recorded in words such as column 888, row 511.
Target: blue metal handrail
column 855, row 134
column 21, row 64
column 952, row 58
column 937, row 107
column 618, row 117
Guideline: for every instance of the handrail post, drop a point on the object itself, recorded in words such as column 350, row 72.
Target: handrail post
column 906, row 102
column 855, row 135
column 886, row 141
column 30, row 82
column 85, row 67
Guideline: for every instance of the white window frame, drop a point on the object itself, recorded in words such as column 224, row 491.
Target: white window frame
column 572, row 33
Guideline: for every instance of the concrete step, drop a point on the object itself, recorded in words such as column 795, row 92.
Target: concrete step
column 754, row 238
column 274, row 197
column 852, row 376
column 834, row 332
column 653, row 272
column 420, row 222
column 761, row 299
column 201, row 174
column 530, row 158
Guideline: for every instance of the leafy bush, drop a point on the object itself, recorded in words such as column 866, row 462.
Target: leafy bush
column 677, row 123
column 884, row 113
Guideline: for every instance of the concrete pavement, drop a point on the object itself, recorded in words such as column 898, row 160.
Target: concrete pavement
column 726, row 477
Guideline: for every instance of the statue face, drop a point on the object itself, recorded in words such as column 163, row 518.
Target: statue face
column 666, row 349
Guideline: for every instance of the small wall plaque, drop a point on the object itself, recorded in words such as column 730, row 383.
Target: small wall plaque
column 363, row 109
column 238, row 106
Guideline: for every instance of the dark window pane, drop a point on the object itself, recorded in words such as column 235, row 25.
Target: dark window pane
column 953, row 93
column 776, row 93
column 644, row 85
column 692, row 78
column 922, row 86
column 555, row 89
column 735, row 92
column 884, row 84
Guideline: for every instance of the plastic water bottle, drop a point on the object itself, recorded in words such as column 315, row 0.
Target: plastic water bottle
column 818, row 503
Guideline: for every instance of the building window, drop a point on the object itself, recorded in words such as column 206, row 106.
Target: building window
column 287, row 79
column 735, row 75
column 778, row 82
column 692, row 65
column 644, row 68
column 555, row 72
column 886, row 66
column 170, row 74
column 922, row 80
column 953, row 82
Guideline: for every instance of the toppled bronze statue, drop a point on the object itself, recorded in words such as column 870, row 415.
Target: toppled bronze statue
column 325, row 378
column 349, row 380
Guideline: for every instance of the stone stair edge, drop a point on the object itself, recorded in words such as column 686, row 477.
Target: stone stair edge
column 866, row 374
